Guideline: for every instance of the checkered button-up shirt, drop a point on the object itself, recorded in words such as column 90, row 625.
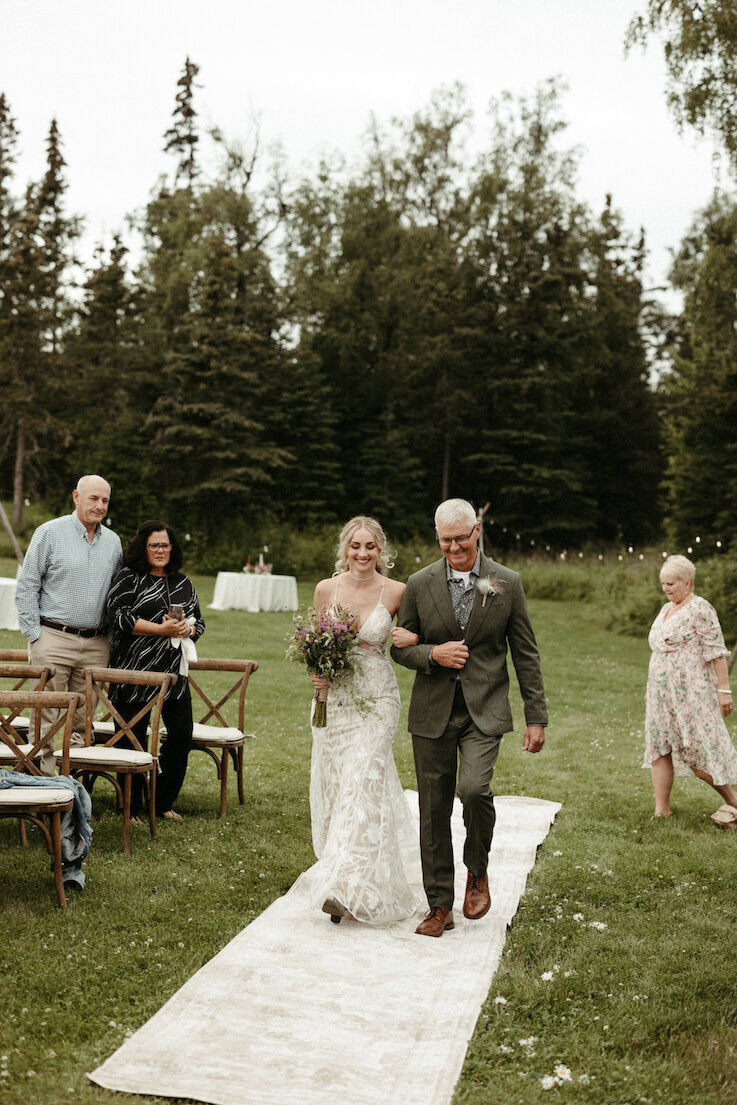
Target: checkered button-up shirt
column 462, row 594
column 65, row 577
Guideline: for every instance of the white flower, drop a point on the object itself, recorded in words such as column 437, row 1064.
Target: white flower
column 578, row 916
column 499, row 1000
column 488, row 587
column 547, row 1082
column 562, row 1074
column 547, row 976
column 600, row 925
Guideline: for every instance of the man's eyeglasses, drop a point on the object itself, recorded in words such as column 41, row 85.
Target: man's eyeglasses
column 159, row 548
column 446, row 542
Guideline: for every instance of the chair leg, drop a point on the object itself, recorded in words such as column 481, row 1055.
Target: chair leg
column 56, row 845
column 22, row 832
column 238, row 761
column 224, row 782
column 126, row 813
column 152, row 803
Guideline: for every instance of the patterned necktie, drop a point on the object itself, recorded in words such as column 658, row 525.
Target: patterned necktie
column 462, row 600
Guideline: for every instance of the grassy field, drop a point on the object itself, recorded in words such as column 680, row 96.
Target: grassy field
column 619, row 969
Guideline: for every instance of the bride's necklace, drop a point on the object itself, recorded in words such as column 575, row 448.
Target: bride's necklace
column 368, row 579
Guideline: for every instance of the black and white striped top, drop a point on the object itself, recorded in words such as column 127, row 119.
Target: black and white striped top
column 133, row 596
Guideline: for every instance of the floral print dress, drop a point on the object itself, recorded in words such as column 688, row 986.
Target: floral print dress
column 682, row 712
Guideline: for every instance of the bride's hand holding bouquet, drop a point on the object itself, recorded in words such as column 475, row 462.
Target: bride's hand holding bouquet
column 325, row 641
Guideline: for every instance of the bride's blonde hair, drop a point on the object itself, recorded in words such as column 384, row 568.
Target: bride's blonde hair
column 385, row 562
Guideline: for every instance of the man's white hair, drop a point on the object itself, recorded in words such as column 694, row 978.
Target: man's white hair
column 81, row 482
column 455, row 510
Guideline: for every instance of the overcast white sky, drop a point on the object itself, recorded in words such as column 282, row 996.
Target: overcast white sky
column 313, row 71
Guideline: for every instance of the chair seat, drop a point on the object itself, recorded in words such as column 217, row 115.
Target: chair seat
column 216, row 734
column 109, row 759
column 106, row 727
column 7, row 757
column 21, row 722
column 36, row 796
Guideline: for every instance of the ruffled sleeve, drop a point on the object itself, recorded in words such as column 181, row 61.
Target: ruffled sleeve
column 709, row 632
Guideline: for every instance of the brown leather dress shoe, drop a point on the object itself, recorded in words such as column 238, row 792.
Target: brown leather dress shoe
column 436, row 922
column 477, row 902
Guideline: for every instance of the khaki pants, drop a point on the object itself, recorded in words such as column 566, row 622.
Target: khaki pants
column 69, row 655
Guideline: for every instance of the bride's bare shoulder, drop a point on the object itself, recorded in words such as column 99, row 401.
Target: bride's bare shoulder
column 325, row 589
column 393, row 592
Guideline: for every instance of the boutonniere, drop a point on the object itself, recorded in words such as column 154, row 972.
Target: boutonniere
column 488, row 587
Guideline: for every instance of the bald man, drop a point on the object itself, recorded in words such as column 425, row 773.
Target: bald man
column 60, row 596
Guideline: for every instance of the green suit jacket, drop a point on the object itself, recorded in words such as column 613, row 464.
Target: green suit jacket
column 501, row 624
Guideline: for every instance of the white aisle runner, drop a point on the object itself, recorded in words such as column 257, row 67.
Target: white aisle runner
column 297, row 1009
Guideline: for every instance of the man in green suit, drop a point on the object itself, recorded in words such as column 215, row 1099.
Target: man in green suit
column 468, row 611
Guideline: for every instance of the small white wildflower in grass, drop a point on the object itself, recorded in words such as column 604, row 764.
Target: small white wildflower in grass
column 583, row 1079
column 547, row 976
column 30, row 1074
column 547, row 1082
column 180, row 944
column 562, row 1074
column 600, row 925
column 557, row 853
column 578, row 916
column 505, row 1048
column 499, row 1000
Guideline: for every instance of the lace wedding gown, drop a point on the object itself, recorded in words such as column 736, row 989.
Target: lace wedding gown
column 362, row 829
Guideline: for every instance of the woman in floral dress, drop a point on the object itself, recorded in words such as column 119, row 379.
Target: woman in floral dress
column 688, row 695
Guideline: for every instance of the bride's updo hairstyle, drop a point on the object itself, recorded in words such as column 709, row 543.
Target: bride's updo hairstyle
column 383, row 565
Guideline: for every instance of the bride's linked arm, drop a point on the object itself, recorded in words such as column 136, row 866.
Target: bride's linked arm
column 411, row 654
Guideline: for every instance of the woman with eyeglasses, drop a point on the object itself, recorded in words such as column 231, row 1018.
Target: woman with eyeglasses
column 153, row 609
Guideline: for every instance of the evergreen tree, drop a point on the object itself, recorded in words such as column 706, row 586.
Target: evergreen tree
column 182, row 138
column 700, row 392
column 35, row 312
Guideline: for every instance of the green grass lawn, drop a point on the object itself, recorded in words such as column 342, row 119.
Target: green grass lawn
column 619, row 966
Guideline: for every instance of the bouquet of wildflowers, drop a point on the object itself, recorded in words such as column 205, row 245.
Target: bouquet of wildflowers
column 325, row 643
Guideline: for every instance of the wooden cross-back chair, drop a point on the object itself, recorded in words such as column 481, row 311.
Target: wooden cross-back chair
column 212, row 733
column 112, row 761
column 28, row 802
column 17, row 675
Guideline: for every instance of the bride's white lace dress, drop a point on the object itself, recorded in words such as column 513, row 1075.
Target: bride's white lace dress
column 362, row 830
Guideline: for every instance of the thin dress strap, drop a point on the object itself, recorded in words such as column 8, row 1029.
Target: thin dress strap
column 383, row 585
column 335, row 596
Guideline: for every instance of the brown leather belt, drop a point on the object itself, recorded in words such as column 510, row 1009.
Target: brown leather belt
column 70, row 629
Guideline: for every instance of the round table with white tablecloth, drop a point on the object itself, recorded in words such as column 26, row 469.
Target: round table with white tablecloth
column 8, row 613
column 257, row 591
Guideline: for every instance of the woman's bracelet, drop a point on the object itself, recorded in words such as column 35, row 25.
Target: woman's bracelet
column 721, row 690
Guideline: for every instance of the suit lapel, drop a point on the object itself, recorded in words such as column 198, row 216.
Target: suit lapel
column 478, row 612
column 441, row 598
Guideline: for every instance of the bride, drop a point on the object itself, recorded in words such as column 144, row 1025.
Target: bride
column 362, row 831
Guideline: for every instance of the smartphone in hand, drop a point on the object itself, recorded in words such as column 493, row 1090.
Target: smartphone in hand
column 176, row 610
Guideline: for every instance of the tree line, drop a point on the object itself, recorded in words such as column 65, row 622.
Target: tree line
column 430, row 321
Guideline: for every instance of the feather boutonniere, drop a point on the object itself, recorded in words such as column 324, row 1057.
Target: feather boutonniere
column 488, row 587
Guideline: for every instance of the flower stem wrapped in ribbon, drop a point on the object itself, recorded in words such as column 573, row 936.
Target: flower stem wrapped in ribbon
column 325, row 641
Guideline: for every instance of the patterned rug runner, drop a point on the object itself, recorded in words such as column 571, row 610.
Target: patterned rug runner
column 297, row 1009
